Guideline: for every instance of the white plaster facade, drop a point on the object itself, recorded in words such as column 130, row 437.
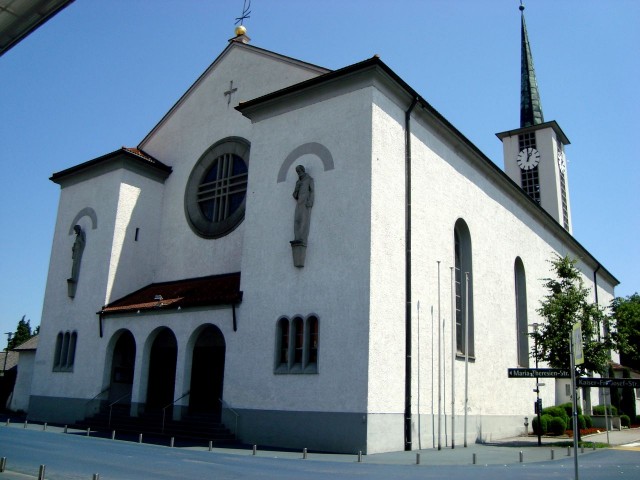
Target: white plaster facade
column 354, row 277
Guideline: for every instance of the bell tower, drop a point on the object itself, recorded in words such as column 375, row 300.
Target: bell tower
column 534, row 155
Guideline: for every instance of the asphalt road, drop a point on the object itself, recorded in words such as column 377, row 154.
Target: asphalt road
column 75, row 456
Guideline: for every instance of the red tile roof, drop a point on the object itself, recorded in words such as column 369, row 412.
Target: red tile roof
column 191, row 292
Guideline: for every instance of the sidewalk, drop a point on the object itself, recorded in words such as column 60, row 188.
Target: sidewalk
column 508, row 451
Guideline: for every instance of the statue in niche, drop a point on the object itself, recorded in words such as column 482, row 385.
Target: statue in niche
column 304, row 194
column 76, row 254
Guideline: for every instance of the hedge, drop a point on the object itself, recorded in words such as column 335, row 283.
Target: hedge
column 599, row 410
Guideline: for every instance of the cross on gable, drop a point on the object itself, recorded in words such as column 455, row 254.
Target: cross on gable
column 230, row 92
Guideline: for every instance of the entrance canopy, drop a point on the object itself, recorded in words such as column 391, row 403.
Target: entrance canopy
column 191, row 292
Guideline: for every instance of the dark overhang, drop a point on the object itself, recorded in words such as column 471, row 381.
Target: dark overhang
column 18, row 18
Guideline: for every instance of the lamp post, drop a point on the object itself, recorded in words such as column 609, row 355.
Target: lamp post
column 6, row 352
column 538, row 385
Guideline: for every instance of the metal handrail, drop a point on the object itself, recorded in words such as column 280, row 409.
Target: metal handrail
column 225, row 404
column 104, row 390
column 113, row 403
column 164, row 409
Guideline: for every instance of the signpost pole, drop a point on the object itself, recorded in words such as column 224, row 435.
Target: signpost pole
column 575, row 403
column 538, row 412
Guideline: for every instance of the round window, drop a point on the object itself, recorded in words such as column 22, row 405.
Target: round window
column 217, row 188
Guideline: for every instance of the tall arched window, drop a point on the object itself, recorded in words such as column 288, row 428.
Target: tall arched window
column 58, row 351
column 464, row 287
column 298, row 336
column 65, row 350
column 283, row 343
column 521, row 314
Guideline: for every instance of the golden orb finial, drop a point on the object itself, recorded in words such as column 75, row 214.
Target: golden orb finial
column 240, row 30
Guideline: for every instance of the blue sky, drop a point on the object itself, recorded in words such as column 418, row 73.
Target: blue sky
column 101, row 74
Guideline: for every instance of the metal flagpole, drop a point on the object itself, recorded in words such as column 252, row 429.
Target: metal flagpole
column 466, row 353
column 418, row 382
column 453, row 357
column 444, row 384
column 439, row 368
column 433, row 413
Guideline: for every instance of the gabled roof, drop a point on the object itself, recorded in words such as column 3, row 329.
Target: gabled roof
column 233, row 43
column 133, row 156
column 31, row 344
column 10, row 362
column 191, row 292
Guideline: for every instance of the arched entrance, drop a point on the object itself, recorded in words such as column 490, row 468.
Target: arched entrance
column 162, row 370
column 122, row 368
column 207, row 372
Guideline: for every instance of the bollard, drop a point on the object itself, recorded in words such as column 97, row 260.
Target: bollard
column 113, row 435
column 582, row 449
column 65, row 429
column 3, row 463
column 417, row 459
column 568, row 451
column 552, row 454
column 304, row 453
column 474, row 459
column 140, row 438
column 25, row 424
column 89, row 432
column 594, row 445
column 210, row 445
column 521, row 457
column 8, row 421
column 171, row 445
column 96, row 476
column 359, row 456
column 41, row 472
column 255, row 448
column 44, row 427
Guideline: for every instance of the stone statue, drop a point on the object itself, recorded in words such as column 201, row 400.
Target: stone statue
column 76, row 253
column 303, row 194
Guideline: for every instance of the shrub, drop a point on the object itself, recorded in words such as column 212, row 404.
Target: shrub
column 557, row 411
column 582, row 422
column 588, row 422
column 557, row 425
column 599, row 410
column 568, row 408
column 543, row 422
column 625, row 421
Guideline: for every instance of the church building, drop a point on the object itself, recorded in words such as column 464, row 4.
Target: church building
column 315, row 257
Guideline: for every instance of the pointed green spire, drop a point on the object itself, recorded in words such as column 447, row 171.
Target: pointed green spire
column 530, row 105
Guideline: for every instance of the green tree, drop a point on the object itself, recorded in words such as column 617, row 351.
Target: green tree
column 564, row 305
column 22, row 334
column 626, row 311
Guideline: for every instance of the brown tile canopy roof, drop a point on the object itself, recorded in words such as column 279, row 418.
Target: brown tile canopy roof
column 192, row 292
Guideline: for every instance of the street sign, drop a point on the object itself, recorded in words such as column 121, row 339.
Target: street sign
column 538, row 373
column 578, row 354
column 608, row 382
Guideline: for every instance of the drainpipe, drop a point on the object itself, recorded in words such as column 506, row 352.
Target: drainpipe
column 408, row 309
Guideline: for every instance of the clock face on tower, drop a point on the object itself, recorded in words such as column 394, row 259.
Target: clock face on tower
column 528, row 158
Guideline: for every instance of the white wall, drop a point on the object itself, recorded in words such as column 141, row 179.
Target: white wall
column 333, row 284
